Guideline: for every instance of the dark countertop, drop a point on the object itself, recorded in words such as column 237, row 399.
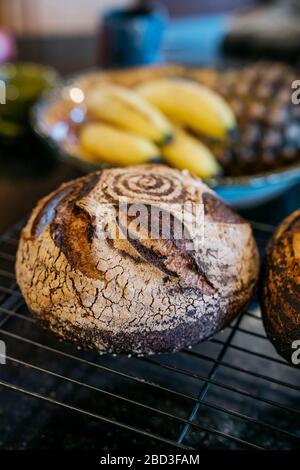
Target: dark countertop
column 27, row 172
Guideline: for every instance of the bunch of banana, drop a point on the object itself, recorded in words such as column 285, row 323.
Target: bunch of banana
column 115, row 146
column 124, row 108
column 187, row 152
column 190, row 104
column 136, row 126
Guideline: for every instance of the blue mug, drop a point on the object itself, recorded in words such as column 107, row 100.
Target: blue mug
column 132, row 36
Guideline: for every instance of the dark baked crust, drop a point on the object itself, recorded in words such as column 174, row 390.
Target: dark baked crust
column 280, row 286
column 139, row 294
column 184, row 335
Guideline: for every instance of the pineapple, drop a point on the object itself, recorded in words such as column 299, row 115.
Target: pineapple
column 268, row 133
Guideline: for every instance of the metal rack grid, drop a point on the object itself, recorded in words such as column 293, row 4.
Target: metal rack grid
column 232, row 392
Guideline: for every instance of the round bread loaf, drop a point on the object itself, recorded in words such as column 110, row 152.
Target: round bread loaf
column 94, row 276
column 280, row 288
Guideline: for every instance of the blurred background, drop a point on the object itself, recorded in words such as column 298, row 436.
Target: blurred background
column 74, row 35
column 194, row 31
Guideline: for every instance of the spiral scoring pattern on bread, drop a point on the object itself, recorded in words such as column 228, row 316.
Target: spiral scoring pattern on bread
column 141, row 187
column 142, row 295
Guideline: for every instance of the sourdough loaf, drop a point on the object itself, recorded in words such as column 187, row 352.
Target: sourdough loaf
column 144, row 292
column 280, row 287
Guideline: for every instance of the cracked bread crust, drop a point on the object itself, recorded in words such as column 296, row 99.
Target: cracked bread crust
column 280, row 287
column 135, row 295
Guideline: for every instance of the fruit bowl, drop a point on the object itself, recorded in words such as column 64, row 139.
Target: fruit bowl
column 56, row 119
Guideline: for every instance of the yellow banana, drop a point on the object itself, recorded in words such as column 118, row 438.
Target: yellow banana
column 126, row 109
column 116, row 146
column 191, row 104
column 186, row 152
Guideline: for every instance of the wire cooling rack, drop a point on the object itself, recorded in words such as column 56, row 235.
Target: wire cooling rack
column 232, row 392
